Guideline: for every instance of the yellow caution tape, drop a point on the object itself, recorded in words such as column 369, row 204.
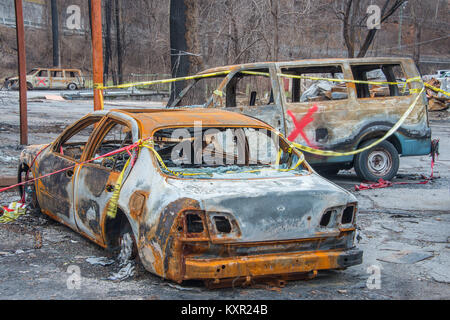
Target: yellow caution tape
column 112, row 206
column 429, row 86
column 149, row 83
column 388, row 134
column 18, row 210
column 161, row 161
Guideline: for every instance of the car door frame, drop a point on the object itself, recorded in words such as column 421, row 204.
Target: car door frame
column 339, row 108
column 87, row 198
column 39, row 79
column 45, row 187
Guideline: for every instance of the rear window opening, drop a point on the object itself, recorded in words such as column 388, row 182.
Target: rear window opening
column 223, row 225
column 347, row 216
column 221, row 152
column 194, row 223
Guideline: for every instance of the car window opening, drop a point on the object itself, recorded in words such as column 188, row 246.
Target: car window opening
column 117, row 137
column 250, row 89
column 310, row 89
column 224, row 151
column 380, row 73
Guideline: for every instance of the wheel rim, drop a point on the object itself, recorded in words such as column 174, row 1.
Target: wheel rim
column 379, row 162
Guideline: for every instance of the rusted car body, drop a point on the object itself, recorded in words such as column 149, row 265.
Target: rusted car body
column 50, row 78
column 347, row 115
column 212, row 223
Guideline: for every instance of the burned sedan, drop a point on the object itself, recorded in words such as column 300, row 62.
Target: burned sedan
column 205, row 195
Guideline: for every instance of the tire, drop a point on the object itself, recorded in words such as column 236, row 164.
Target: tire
column 28, row 192
column 72, row 87
column 29, row 86
column 380, row 162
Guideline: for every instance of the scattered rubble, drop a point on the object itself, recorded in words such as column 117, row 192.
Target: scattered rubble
column 437, row 101
column 102, row 261
column 126, row 272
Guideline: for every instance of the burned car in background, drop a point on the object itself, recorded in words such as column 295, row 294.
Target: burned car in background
column 211, row 195
column 49, row 78
column 328, row 115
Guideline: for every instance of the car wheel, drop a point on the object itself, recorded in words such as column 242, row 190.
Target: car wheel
column 29, row 86
column 28, row 192
column 72, row 87
column 380, row 162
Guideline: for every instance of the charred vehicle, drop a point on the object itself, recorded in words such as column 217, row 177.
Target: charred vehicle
column 49, row 78
column 327, row 115
column 212, row 195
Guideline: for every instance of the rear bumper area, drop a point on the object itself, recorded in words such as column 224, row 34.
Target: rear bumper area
column 270, row 265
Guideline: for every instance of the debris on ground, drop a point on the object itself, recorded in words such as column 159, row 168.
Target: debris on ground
column 126, row 272
column 406, row 257
column 17, row 237
column 102, row 261
column 12, row 212
column 437, row 101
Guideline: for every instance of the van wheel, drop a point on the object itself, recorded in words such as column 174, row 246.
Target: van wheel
column 380, row 162
column 72, row 87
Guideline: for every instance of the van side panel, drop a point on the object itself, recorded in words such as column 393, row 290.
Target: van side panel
column 343, row 125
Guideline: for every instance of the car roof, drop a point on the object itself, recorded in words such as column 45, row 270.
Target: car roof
column 306, row 62
column 151, row 120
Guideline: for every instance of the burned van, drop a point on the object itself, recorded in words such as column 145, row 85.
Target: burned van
column 50, row 78
column 309, row 102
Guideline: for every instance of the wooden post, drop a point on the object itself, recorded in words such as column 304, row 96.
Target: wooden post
column 97, row 53
column 20, row 31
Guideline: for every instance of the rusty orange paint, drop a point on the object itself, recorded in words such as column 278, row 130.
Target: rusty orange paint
column 97, row 52
column 137, row 204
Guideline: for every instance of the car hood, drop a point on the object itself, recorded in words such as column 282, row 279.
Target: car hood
column 269, row 209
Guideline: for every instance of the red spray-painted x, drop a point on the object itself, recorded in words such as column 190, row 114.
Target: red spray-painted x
column 41, row 81
column 301, row 124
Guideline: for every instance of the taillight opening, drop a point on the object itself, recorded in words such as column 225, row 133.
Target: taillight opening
column 326, row 218
column 222, row 224
column 347, row 215
column 194, row 223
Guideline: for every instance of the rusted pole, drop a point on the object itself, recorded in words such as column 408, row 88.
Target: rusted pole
column 20, row 31
column 97, row 53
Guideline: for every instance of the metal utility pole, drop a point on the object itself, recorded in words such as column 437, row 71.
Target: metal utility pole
column 97, row 53
column 20, row 31
column 55, row 34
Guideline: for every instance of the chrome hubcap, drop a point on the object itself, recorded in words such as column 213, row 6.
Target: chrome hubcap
column 379, row 163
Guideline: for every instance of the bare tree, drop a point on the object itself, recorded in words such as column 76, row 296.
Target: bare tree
column 354, row 18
